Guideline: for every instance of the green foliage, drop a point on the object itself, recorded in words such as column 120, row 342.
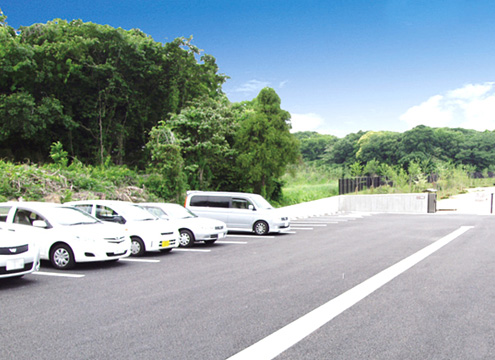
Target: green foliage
column 167, row 178
column 313, row 145
column 205, row 131
column 58, row 154
column 96, row 89
column 60, row 184
column 264, row 144
column 307, row 182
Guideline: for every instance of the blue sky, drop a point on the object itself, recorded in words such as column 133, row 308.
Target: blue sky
column 338, row 66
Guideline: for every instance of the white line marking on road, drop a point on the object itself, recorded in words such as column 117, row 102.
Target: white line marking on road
column 191, row 250
column 57, row 274
column 252, row 236
column 302, row 228
column 312, row 224
column 231, row 242
column 141, row 260
column 276, row 343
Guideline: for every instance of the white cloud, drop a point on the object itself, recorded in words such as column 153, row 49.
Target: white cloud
column 252, row 86
column 432, row 113
column 310, row 122
column 282, row 84
column 306, row 122
column 471, row 107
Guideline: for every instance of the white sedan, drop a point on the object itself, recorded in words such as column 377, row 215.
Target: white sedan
column 18, row 255
column 64, row 234
column 192, row 228
column 147, row 232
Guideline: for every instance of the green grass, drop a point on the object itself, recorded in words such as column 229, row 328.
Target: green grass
column 302, row 193
column 304, row 183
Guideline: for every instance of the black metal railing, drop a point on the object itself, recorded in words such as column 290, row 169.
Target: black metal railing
column 347, row 186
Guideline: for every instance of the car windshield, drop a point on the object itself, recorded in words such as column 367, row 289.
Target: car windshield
column 179, row 212
column 260, row 202
column 136, row 213
column 157, row 212
column 68, row 216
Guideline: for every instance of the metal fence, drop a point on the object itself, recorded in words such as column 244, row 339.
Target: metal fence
column 347, row 186
column 356, row 184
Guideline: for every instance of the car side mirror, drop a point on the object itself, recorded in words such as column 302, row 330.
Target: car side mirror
column 40, row 224
column 119, row 219
column 251, row 207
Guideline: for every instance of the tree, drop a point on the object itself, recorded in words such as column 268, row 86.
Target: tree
column 205, row 131
column 478, row 151
column 96, row 89
column 313, row 144
column 265, row 144
column 343, row 151
column 381, row 146
column 167, row 165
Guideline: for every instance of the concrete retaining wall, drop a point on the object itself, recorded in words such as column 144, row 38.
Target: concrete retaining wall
column 389, row 203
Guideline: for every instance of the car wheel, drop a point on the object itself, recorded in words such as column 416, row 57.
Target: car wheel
column 186, row 238
column 137, row 246
column 260, row 228
column 62, row 257
column 209, row 242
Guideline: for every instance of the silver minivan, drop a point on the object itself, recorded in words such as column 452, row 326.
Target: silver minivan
column 240, row 211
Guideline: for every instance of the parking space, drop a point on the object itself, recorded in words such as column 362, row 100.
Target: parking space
column 232, row 239
column 230, row 295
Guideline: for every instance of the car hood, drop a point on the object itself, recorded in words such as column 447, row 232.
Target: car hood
column 105, row 231
column 199, row 221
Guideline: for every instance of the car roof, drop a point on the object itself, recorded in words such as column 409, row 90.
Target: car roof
column 102, row 202
column 33, row 204
column 159, row 204
column 220, row 193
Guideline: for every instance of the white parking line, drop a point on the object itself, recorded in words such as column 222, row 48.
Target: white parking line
column 140, row 260
column 231, row 242
column 312, row 224
column 252, row 236
column 301, row 228
column 57, row 274
column 276, row 343
column 191, row 250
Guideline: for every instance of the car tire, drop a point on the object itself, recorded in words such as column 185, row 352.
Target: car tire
column 260, row 228
column 62, row 257
column 186, row 238
column 137, row 246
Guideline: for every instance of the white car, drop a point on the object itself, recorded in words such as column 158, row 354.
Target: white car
column 147, row 232
column 192, row 228
column 240, row 211
column 18, row 255
column 65, row 235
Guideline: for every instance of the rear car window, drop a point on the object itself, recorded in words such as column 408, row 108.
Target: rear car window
column 4, row 211
column 210, row 201
column 198, row 200
column 219, row 201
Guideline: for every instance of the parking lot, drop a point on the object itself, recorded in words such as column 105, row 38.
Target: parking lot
column 218, row 302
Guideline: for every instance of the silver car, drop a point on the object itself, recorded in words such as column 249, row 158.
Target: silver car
column 240, row 211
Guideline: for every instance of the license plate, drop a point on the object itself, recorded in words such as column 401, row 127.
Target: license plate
column 165, row 243
column 15, row 264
